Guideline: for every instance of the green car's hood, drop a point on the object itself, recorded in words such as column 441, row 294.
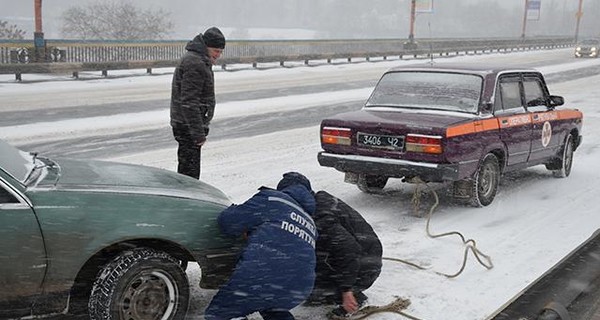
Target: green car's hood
column 102, row 176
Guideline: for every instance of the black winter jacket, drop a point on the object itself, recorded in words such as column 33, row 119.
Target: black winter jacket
column 193, row 91
column 347, row 245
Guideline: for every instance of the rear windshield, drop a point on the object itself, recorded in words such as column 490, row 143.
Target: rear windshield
column 428, row 90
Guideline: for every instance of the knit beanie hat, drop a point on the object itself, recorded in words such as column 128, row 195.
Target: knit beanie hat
column 213, row 38
column 292, row 178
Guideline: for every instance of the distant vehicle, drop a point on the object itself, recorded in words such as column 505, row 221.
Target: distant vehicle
column 464, row 124
column 589, row 48
column 109, row 240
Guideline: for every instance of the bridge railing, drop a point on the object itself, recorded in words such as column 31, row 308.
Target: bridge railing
column 70, row 56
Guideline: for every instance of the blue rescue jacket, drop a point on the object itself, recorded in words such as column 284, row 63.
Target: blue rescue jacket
column 280, row 254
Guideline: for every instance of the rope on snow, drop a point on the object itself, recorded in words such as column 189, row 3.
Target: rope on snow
column 470, row 244
column 397, row 306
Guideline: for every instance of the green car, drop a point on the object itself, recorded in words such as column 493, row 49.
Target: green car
column 106, row 239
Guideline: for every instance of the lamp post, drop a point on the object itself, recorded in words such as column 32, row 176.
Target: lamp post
column 410, row 44
column 578, row 15
column 524, row 19
column 38, row 35
column 411, row 35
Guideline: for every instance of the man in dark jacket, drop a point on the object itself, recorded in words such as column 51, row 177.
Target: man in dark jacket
column 276, row 270
column 193, row 98
column 348, row 255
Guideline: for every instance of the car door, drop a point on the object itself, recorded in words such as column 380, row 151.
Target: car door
column 22, row 254
column 513, row 119
column 544, row 141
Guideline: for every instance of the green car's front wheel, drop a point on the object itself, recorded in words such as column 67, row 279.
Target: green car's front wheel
column 140, row 284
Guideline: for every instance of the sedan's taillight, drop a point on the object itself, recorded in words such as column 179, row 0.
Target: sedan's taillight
column 333, row 135
column 423, row 143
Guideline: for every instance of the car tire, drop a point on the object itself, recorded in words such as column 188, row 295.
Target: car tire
column 485, row 183
column 371, row 183
column 140, row 284
column 563, row 168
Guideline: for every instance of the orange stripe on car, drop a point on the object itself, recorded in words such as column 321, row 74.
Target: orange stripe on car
column 512, row 121
column 557, row 115
column 472, row 127
column 544, row 116
column 569, row 114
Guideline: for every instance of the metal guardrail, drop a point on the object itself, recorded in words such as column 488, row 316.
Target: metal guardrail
column 569, row 290
column 69, row 56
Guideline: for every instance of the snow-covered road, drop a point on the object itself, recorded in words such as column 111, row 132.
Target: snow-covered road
column 534, row 221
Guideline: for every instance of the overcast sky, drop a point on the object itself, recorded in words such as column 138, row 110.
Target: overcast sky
column 256, row 19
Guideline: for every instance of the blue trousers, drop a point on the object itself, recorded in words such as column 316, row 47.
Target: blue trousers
column 262, row 284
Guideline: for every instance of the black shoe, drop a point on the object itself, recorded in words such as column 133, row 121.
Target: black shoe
column 361, row 299
column 338, row 313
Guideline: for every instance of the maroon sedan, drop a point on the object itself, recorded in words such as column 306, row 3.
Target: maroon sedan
column 464, row 124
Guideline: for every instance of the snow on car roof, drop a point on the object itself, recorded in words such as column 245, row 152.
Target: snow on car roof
column 481, row 69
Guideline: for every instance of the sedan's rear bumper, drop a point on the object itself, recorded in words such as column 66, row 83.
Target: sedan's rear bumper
column 395, row 168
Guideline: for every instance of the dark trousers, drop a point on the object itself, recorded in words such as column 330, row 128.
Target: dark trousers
column 188, row 154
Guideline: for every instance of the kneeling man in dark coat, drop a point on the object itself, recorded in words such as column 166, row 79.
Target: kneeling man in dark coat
column 348, row 255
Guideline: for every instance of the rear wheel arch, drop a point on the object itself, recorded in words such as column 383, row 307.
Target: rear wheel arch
column 563, row 166
column 480, row 189
column 575, row 133
column 500, row 150
column 501, row 156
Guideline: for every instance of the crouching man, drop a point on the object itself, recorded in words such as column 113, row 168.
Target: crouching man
column 348, row 256
column 276, row 270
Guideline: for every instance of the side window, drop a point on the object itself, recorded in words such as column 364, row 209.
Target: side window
column 534, row 92
column 6, row 197
column 510, row 94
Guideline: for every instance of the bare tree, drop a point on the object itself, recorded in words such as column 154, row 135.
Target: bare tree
column 10, row 31
column 115, row 20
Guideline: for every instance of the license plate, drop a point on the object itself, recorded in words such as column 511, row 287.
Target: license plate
column 381, row 141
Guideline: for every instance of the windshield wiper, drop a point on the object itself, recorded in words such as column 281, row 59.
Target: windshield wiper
column 40, row 163
column 35, row 168
column 53, row 165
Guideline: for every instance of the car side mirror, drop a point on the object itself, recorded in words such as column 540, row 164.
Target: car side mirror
column 556, row 101
column 536, row 102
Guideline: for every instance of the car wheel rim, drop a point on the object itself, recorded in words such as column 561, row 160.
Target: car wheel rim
column 151, row 295
column 486, row 181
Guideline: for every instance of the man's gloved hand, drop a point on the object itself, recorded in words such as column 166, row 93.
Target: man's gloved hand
column 205, row 130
